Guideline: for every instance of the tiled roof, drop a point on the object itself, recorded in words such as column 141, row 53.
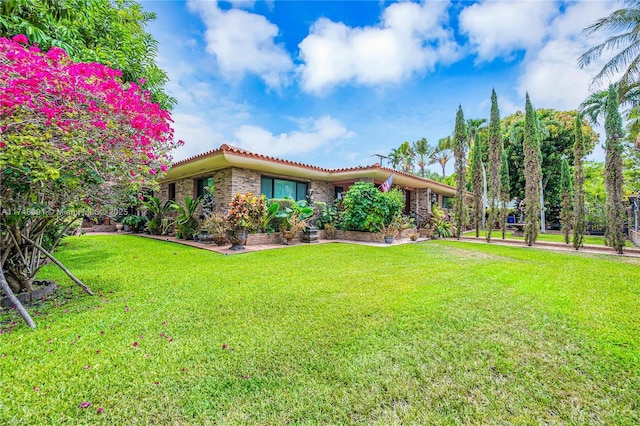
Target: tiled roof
column 230, row 149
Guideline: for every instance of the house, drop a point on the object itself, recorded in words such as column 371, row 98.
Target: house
column 229, row 170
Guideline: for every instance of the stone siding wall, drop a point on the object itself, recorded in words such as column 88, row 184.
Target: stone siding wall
column 420, row 202
column 244, row 180
column 324, row 191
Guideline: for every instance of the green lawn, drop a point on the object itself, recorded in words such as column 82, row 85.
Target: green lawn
column 438, row 332
column 555, row 237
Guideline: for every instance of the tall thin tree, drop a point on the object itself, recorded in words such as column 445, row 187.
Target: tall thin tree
column 475, row 161
column 532, row 172
column 614, row 233
column 495, row 161
column 566, row 198
column 505, row 192
column 579, row 212
column 460, row 155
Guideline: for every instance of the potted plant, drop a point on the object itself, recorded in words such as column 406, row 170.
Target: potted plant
column 186, row 223
column 294, row 218
column 134, row 222
column 157, row 211
column 246, row 212
column 216, row 226
column 291, row 226
column 388, row 232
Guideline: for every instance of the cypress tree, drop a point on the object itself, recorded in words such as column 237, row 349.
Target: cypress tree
column 532, row 173
column 476, row 180
column 566, row 195
column 613, row 179
column 505, row 189
column 579, row 212
column 459, row 153
column 495, row 163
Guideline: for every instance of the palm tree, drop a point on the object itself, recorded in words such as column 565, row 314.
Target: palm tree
column 423, row 151
column 406, row 156
column 625, row 43
column 394, row 158
column 442, row 154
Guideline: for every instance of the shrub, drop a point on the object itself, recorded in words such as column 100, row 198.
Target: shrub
column 247, row 211
column 366, row 208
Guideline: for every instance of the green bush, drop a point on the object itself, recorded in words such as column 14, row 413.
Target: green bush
column 366, row 208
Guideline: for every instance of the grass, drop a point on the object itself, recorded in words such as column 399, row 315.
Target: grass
column 439, row 332
column 555, row 237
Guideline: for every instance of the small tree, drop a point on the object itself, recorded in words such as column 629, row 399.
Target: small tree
column 476, row 180
column 495, row 163
column 505, row 192
column 74, row 140
column 531, row 147
column 614, row 234
column 566, row 197
column 579, row 212
column 460, row 154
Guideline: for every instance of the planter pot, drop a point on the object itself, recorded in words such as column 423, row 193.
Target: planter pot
column 237, row 237
column 220, row 240
column 119, row 227
column 288, row 236
column 41, row 290
column 388, row 240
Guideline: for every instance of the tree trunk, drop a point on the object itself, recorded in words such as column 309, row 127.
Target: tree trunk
column 7, row 291
column 60, row 265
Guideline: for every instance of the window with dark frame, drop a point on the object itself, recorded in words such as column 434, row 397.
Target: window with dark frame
column 282, row 188
column 171, row 192
column 202, row 183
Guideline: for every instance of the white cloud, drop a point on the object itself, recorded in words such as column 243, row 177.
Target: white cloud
column 409, row 39
column 244, row 42
column 324, row 131
column 197, row 134
column 498, row 28
column 551, row 74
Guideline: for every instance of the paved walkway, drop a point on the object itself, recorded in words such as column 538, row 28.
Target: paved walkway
column 544, row 245
column 259, row 247
column 547, row 245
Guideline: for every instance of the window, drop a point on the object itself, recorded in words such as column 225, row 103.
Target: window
column 282, row 188
column 171, row 192
column 338, row 193
column 202, row 183
column 447, row 202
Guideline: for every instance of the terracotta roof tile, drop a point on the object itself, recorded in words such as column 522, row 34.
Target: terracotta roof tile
column 226, row 148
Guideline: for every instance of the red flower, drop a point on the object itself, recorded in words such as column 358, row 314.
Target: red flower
column 21, row 38
column 135, row 344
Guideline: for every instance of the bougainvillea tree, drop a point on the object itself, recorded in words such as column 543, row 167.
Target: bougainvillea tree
column 74, row 140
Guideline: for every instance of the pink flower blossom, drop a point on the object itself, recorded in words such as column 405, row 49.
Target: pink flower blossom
column 99, row 411
column 86, row 367
column 135, row 344
column 21, row 38
column 85, row 404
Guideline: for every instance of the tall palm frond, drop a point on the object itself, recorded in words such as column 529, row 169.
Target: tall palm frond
column 626, row 23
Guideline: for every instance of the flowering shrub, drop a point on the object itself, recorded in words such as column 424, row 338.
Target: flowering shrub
column 246, row 211
column 73, row 138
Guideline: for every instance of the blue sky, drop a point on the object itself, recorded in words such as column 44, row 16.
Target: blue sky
column 331, row 83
